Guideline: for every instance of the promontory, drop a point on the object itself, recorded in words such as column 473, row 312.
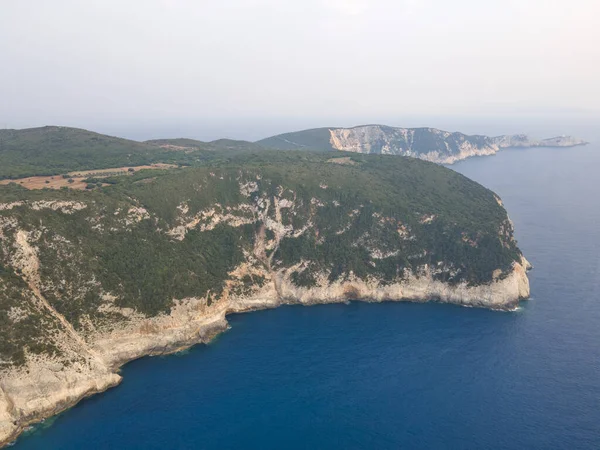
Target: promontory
column 430, row 144
column 120, row 250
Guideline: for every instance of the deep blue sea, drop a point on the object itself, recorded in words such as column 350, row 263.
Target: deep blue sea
column 392, row 375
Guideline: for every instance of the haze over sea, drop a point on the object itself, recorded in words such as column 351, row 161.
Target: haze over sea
column 393, row 375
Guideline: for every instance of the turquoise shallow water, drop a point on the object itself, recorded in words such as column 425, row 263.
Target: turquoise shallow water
column 393, row 375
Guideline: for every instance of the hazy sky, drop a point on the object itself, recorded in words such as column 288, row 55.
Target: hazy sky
column 97, row 63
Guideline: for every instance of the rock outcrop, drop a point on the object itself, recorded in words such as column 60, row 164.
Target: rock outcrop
column 92, row 280
column 429, row 144
column 433, row 145
column 46, row 386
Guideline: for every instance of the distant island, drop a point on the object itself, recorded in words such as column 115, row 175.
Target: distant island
column 430, row 144
column 111, row 250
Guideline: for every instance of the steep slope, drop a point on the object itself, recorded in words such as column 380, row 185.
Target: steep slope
column 425, row 143
column 92, row 279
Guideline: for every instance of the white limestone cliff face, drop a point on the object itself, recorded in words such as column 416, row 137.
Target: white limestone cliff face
column 500, row 294
column 441, row 147
column 8, row 428
column 90, row 356
column 467, row 150
column 46, row 386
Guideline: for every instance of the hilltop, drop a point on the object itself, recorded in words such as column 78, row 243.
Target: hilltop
column 53, row 150
column 216, row 145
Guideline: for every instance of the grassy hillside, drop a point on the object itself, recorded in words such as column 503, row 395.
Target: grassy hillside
column 55, row 150
column 177, row 142
column 144, row 240
column 409, row 212
column 217, row 145
column 315, row 139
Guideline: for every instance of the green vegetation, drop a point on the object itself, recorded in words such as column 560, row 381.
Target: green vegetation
column 55, row 150
column 24, row 328
column 220, row 145
column 315, row 139
column 380, row 216
column 381, row 139
column 178, row 142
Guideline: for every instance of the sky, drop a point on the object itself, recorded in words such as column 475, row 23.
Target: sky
column 245, row 67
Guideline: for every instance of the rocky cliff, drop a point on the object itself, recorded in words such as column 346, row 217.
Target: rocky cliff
column 154, row 263
column 429, row 144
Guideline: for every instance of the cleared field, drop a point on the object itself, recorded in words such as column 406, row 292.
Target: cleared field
column 75, row 180
column 55, row 182
column 119, row 170
column 346, row 160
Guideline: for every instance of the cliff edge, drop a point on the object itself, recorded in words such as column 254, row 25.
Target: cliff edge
column 430, row 144
column 154, row 262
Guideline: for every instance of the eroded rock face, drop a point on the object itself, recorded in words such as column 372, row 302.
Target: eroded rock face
column 432, row 144
column 88, row 363
column 45, row 386
column 71, row 322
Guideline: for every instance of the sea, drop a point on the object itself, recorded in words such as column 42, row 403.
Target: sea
column 392, row 375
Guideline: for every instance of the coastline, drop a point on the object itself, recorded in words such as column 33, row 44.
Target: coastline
column 188, row 325
column 471, row 153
